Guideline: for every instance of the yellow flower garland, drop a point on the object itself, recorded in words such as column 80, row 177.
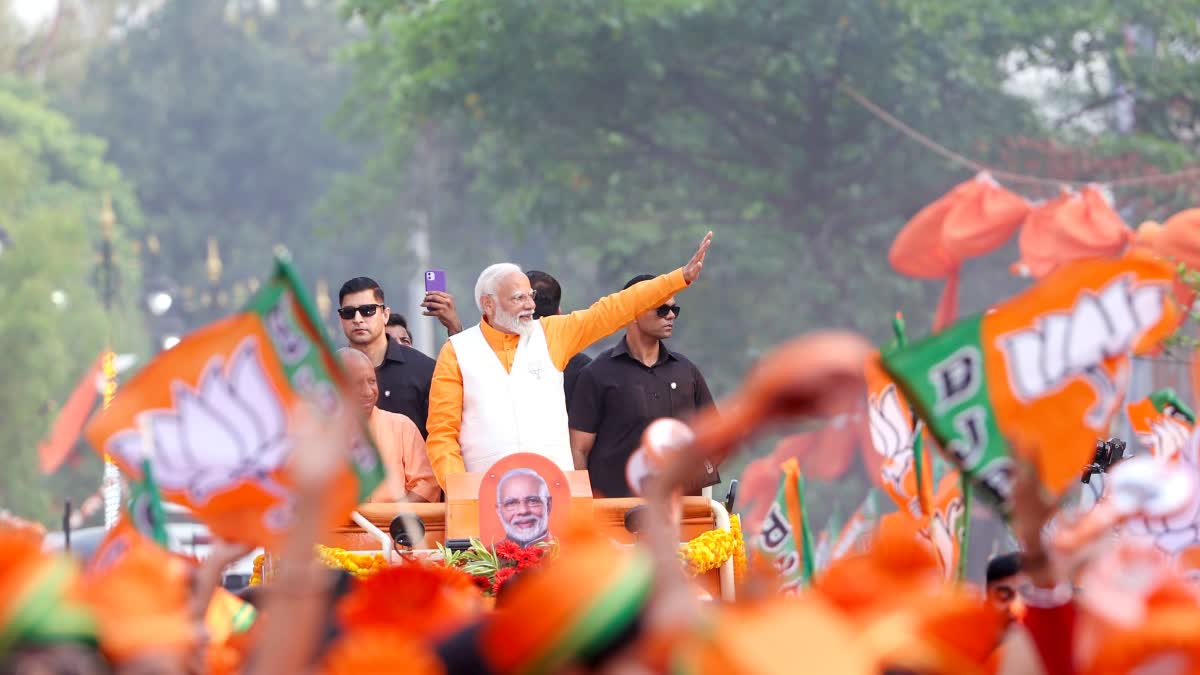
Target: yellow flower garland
column 711, row 549
column 739, row 553
column 358, row 564
column 256, row 577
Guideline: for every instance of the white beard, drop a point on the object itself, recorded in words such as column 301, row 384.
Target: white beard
column 513, row 323
column 523, row 535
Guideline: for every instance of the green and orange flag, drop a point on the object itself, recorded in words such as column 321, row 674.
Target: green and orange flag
column 1041, row 374
column 786, row 537
column 214, row 417
column 1162, row 423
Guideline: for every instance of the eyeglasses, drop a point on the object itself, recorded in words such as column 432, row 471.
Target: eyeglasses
column 348, row 313
column 532, row 503
column 664, row 310
column 522, row 298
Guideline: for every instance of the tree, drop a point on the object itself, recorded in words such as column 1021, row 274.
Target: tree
column 625, row 129
column 54, row 325
column 616, row 131
column 217, row 111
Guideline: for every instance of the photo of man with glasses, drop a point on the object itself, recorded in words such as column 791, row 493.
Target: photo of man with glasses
column 523, row 504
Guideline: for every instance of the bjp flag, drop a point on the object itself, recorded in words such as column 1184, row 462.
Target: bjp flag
column 1162, row 423
column 1041, row 374
column 785, row 536
column 892, row 434
column 213, row 417
column 944, row 528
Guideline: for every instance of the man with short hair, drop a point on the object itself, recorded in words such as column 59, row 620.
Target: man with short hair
column 549, row 303
column 523, row 504
column 498, row 386
column 397, row 329
column 409, row 477
column 627, row 387
column 1004, row 580
column 404, row 374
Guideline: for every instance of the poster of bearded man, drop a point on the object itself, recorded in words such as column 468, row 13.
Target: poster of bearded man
column 524, row 498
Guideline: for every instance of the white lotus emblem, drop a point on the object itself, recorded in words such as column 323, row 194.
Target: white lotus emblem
column 943, row 531
column 229, row 429
column 1177, row 532
column 1166, row 438
column 891, row 436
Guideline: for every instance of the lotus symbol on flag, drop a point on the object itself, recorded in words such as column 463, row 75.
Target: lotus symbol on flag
column 1166, row 438
column 1171, row 519
column 942, row 533
column 891, row 436
column 231, row 428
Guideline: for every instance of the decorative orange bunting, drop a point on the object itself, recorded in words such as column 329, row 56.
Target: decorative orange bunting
column 973, row 219
column 1072, row 226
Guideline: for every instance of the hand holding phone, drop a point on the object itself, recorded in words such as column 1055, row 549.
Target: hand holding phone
column 435, row 280
column 440, row 304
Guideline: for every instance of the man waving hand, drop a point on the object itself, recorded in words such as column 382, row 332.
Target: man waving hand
column 498, row 386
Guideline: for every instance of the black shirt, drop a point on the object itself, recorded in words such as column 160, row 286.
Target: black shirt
column 571, row 374
column 617, row 397
column 404, row 380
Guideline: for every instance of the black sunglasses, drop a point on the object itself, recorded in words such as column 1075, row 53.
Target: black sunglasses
column 348, row 313
column 664, row 310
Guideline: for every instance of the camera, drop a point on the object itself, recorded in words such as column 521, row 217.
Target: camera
column 1107, row 454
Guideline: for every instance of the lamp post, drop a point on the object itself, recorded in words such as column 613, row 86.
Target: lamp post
column 110, row 485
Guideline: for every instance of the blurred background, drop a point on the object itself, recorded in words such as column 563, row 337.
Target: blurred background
column 153, row 153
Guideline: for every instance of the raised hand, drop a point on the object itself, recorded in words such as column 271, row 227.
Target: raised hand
column 692, row 269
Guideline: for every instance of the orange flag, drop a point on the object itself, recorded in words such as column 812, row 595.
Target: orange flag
column 140, row 593
column 891, row 436
column 1040, row 374
column 214, row 417
column 943, row 529
column 67, row 426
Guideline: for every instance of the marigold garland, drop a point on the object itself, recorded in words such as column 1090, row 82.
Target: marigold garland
column 711, row 549
column 359, row 564
column 256, row 576
column 739, row 553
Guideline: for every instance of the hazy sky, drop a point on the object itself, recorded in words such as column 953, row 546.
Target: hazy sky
column 33, row 11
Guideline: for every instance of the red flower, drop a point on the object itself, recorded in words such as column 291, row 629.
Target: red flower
column 502, row 576
column 529, row 557
column 483, row 583
column 508, row 550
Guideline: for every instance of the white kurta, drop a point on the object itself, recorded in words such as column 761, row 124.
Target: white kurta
column 524, row 410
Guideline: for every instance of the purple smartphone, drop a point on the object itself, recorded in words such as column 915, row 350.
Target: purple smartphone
column 435, row 280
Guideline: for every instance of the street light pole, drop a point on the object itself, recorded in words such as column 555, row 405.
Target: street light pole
column 111, row 483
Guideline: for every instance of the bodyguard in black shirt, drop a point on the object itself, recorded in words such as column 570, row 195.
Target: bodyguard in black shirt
column 403, row 373
column 548, row 302
column 626, row 388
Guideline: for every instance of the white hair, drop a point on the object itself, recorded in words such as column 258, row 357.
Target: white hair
column 346, row 353
column 489, row 278
column 543, row 488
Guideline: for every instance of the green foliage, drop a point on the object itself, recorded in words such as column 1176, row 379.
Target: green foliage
column 618, row 132
column 218, row 112
column 52, row 182
column 608, row 135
